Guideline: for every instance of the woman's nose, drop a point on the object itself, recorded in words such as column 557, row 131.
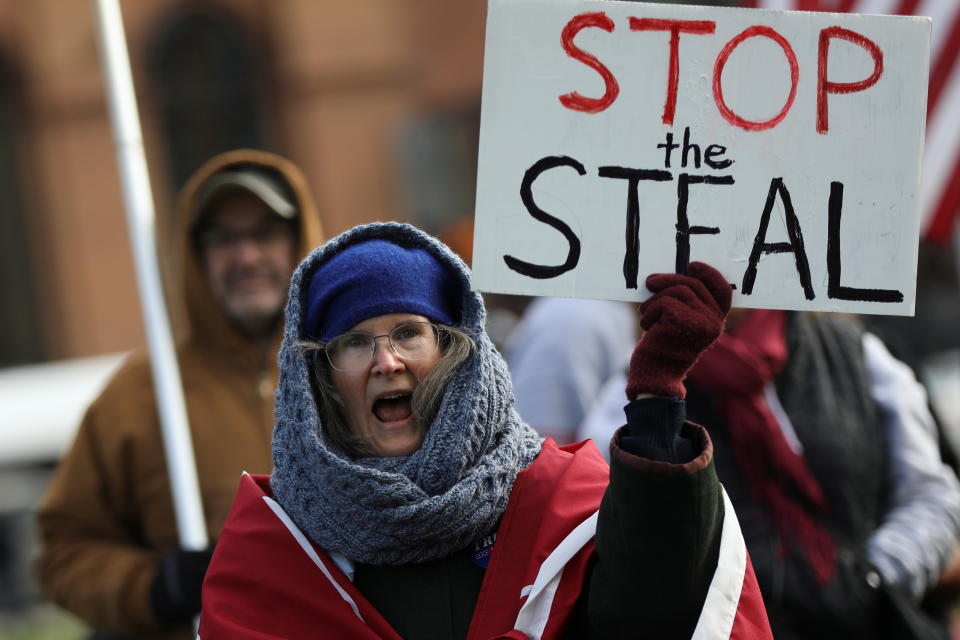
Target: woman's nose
column 385, row 359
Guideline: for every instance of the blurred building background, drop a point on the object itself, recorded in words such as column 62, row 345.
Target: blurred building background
column 378, row 101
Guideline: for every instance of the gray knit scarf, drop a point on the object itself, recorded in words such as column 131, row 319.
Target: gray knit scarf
column 441, row 498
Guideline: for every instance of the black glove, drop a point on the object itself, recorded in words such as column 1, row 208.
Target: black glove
column 175, row 590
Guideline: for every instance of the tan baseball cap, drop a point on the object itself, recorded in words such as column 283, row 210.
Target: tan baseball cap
column 267, row 188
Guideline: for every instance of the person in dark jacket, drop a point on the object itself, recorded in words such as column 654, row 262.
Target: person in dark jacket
column 829, row 453
column 408, row 498
column 815, row 427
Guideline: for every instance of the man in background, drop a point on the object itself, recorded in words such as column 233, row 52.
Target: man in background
column 110, row 547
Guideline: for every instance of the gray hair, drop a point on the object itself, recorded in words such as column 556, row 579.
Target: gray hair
column 456, row 345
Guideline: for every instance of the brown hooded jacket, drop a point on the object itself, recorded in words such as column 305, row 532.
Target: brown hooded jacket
column 108, row 513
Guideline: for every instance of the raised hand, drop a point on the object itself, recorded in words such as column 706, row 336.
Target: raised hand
column 683, row 318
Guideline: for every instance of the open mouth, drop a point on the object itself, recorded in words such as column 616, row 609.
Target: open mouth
column 393, row 408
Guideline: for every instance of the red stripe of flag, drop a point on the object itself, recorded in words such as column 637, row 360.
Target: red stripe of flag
column 845, row 6
column 907, row 7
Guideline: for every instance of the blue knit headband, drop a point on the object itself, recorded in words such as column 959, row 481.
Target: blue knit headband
column 377, row 277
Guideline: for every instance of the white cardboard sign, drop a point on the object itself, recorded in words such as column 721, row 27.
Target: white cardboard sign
column 620, row 139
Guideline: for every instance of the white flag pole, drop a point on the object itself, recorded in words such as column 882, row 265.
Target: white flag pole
column 138, row 200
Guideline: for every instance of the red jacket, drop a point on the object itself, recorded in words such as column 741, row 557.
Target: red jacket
column 268, row 581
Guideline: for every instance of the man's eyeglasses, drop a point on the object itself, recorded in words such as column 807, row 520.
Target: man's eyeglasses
column 353, row 351
column 263, row 234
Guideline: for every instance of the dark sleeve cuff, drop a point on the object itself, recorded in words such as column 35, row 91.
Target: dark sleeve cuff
column 696, row 434
column 654, row 430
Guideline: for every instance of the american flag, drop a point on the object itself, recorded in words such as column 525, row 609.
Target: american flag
column 940, row 188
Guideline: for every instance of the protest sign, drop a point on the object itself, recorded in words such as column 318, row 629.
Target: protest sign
column 620, row 139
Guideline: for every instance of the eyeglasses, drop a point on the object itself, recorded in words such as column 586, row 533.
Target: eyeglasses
column 220, row 238
column 354, row 350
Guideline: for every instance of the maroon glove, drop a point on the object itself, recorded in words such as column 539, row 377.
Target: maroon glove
column 683, row 318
